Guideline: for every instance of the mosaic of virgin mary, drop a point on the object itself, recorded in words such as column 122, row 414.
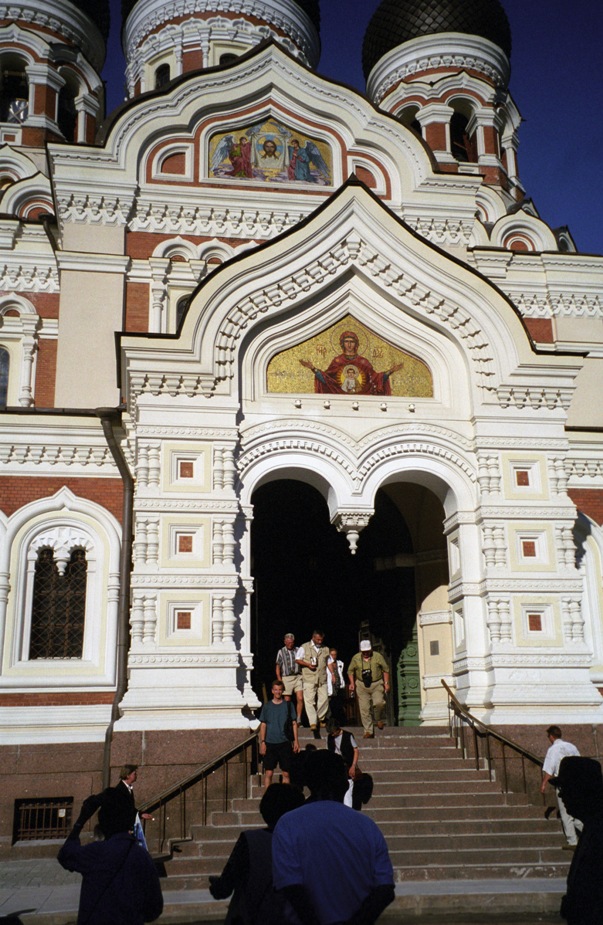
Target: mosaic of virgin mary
column 350, row 372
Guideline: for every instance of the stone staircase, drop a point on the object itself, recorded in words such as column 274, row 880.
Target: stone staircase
column 443, row 821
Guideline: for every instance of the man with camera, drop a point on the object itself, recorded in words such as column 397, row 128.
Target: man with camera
column 369, row 679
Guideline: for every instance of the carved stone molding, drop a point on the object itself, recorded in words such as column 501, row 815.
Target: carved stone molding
column 21, row 276
column 436, row 618
column 199, row 580
column 538, row 305
column 294, row 444
column 443, row 231
column 216, row 222
column 26, row 454
column 93, row 210
column 590, row 469
column 221, row 660
column 419, row 450
column 528, row 512
column 198, row 434
column 527, row 660
column 352, row 250
column 197, row 504
column 553, row 444
column 537, row 398
column 351, row 523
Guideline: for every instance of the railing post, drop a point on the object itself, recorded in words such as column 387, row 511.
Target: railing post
column 225, row 788
column 504, row 763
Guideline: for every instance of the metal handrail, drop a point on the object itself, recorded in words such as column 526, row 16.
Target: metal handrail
column 160, row 804
column 461, row 720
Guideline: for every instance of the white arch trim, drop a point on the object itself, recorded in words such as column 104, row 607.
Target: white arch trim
column 62, row 521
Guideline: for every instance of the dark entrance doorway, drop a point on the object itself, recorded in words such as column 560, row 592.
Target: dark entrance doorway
column 305, row 577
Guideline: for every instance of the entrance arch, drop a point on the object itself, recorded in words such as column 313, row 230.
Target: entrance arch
column 395, row 585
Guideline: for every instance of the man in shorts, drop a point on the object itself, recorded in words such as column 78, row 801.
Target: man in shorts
column 289, row 672
column 276, row 748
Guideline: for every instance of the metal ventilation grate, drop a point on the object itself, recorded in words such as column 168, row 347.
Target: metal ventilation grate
column 42, row 818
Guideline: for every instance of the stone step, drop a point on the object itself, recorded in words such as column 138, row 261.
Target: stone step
column 424, row 849
column 248, row 813
column 394, row 801
column 489, row 864
column 444, row 819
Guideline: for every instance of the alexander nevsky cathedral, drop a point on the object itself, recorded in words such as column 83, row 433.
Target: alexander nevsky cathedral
column 277, row 355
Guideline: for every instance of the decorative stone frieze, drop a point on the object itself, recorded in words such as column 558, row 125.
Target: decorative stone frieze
column 538, row 398
column 216, row 222
column 22, row 275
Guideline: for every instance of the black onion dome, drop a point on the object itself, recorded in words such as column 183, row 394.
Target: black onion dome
column 97, row 11
column 310, row 8
column 397, row 21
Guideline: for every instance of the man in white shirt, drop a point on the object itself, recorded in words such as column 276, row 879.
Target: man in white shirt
column 558, row 750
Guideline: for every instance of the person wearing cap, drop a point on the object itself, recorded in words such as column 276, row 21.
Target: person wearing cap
column 580, row 785
column 289, row 672
column 558, row 750
column 369, row 679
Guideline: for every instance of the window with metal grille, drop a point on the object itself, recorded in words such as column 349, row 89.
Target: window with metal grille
column 59, row 606
column 43, row 818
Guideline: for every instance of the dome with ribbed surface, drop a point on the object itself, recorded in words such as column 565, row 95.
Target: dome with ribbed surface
column 97, row 11
column 398, row 21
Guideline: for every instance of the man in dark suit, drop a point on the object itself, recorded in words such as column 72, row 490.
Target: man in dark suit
column 116, row 806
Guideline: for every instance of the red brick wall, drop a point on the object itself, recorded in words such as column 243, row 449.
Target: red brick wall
column 137, row 307
column 46, row 371
column 17, row 491
column 192, row 60
column 56, row 699
column 540, row 330
column 589, row 501
column 46, row 304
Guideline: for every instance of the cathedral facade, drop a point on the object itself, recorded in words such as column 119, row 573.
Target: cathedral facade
column 277, row 354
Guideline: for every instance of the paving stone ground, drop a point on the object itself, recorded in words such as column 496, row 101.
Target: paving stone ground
column 40, row 892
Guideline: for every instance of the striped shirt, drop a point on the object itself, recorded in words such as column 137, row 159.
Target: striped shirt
column 286, row 659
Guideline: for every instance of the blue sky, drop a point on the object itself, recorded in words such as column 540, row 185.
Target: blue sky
column 556, row 82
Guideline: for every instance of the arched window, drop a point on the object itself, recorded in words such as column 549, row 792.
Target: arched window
column 181, row 308
column 462, row 145
column 408, row 117
column 4, row 366
column 67, row 113
column 228, row 58
column 58, row 605
column 162, row 76
column 14, row 91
